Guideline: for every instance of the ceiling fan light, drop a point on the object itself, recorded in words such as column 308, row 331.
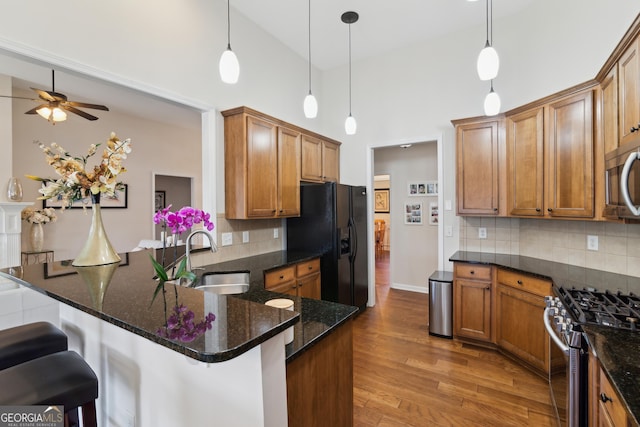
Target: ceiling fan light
column 350, row 125
column 44, row 112
column 58, row 115
column 229, row 67
column 310, row 106
column 488, row 63
column 492, row 104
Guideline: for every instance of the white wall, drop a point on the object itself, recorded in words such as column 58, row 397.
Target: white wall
column 156, row 147
column 414, row 254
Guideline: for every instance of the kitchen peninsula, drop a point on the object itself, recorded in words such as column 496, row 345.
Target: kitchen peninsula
column 235, row 374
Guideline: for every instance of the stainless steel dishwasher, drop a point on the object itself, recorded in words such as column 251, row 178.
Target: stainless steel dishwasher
column 441, row 304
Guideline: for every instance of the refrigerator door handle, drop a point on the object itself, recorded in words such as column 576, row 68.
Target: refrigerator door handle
column 353, row 237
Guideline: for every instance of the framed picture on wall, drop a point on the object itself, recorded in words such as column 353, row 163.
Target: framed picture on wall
column 413, row 213
column 160, row 200
column 381, row 200
column 433, row 213
column 119, row 200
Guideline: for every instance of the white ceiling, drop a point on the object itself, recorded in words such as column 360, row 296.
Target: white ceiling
column 383, row 25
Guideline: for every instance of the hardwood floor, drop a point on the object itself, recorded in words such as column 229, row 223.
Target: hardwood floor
column 405, row 377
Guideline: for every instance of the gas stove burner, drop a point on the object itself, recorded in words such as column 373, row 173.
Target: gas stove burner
column 615, row 310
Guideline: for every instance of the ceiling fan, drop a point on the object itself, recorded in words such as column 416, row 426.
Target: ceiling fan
column 57, row 103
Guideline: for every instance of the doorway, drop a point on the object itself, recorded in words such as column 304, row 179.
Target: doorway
column 382, row 216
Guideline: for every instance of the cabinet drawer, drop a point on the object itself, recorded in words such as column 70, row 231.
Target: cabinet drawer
column 308, row 267
column 278, row 277
column 473, row 271
column 523, row 282
column 610, row 402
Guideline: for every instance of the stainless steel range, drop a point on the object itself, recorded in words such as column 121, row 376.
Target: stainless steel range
column 565, row 312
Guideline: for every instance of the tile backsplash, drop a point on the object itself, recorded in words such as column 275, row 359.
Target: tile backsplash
column 261, row 239
column 555, row 240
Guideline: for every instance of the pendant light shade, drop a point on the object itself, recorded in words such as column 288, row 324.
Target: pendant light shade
column 488, row 61
column 229, row 65
column 491, row 103
column 350, row 125
column 310, row 105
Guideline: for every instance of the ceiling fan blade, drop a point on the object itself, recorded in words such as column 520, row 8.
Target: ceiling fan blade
column 44, row 94
column 78, row 112
column 35, row 109
column 17, row 97
column 85, row 105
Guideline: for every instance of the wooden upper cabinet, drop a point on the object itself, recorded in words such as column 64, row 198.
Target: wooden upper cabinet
column 629, row 93
column 525, row 163
column 320, row 160
column 570, row 163
column 477, row 168
column 609, row 111
column 262, row 168
column 288, row 172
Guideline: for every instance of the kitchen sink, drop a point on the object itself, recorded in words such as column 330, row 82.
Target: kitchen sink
column 224, row 283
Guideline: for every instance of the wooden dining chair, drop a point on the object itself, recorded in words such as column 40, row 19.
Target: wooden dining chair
column 380, row 227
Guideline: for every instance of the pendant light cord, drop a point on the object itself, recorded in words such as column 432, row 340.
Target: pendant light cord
column 349, row 69
column 229, row 24
column 487, row 18
column 309, row 46
column 491, row 20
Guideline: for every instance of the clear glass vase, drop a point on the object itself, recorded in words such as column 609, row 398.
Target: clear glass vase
column 97, row 250
column 14, row 190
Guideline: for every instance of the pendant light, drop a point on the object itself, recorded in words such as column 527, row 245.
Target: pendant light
column 310, row 104
column 350, row 125
column 488, row 60
column 492, row 102
column 229, row 66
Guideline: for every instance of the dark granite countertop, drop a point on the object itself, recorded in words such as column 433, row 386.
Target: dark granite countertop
column 318, row 318
column 617, row 349
column 242, row 321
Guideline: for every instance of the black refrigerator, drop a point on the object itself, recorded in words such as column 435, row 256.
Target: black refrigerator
column 333, row 221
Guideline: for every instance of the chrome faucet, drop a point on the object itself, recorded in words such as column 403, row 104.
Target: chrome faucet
column 214, row 248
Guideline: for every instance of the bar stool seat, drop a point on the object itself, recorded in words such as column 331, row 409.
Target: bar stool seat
column 26, row 342
column 62, row 378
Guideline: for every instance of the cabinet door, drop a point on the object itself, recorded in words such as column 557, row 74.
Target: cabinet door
column 262, row 176
column 570, row 157
column 330, row 162
column 525, row 162
column 288, row 172
column 472, row 309
column 611, row 409
column 477, row 168
column 519, row 327
column 309, row 286
column 629, row 93
column 311, row 160
column 609, row 110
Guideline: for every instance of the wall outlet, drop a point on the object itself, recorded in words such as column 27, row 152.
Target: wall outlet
column 245, row 237
column 447, row 205
column 592, row 243
column 227, row 239
column 482, row 233
column 276, row 233
column 448, row 231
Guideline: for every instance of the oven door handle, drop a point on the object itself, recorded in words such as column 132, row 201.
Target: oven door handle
column 624, row 182
column 552, row 333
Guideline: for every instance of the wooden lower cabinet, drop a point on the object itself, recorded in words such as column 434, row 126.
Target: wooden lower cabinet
column 472, row 301
column 605, row 407
column 320, row 382
column 302, row 279
column 519, row 328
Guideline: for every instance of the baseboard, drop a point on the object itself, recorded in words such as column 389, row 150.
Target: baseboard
column 411, row 288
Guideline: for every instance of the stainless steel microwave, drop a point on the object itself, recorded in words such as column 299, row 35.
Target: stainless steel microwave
column 622, row 181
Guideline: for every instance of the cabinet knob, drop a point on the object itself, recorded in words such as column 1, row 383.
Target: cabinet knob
column 549, row 210
column 472, row 272
column 281, row 277
column 519, row 282
column 310, row 267
column 538, row 209
column 495, row 209
column 635, row 129
column 605, row 398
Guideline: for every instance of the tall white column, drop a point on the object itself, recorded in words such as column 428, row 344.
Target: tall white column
column 10, row 228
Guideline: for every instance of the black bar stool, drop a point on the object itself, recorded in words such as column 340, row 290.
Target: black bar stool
column 62, row 378
column 26, row 342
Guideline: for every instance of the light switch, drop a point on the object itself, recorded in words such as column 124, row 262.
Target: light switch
column 245, row 237
column 275, row 233
column 447, row 205
column 227, row 239
column 448, row 231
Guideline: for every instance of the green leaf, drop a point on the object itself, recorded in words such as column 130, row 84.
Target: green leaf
column 159, row 269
